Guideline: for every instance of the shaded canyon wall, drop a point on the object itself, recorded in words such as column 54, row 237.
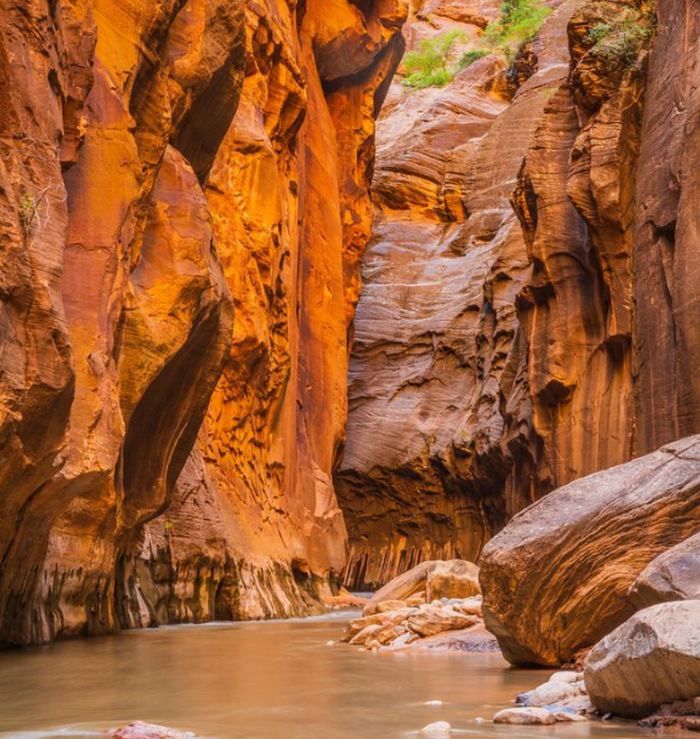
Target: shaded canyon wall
column 529, row 310
column 183, row 201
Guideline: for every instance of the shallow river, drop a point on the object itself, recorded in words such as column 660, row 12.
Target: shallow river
column 278, row 680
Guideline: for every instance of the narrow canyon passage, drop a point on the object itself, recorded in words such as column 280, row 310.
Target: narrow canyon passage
column 348, row 368
column 503, row 338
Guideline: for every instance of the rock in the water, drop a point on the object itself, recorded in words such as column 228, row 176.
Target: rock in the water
column 652, row 659
column 554, row 692
column 433, row 619
column 524, row 716
column 429, row 581
column 565, row 715
column 390, row 605
column 679, row 714
column 555, row 579
column 475, row 640
column 673, row 575
column 344, row 599
column 454, row 579
column 142, row 730
column 563, row 695
column 437, row 730
column 566, row 676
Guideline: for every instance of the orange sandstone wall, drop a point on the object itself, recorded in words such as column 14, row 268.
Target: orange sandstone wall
column 183, row 203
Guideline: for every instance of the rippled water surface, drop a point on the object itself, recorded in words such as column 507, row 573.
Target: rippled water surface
column 278, row 680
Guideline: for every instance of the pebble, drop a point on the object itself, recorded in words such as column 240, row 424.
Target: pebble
column 437, row 730
column 524, row 716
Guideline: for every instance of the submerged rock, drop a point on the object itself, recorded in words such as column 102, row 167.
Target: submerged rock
column 143, row 730
column 524, row 716
column 553, row 692
column 563, row 695
column 437, row 730
column 555, row 580
column 652, row 659
column 679, row 715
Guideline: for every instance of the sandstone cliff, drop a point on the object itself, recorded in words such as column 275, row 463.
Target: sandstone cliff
column 178, row 274
column 495, row 360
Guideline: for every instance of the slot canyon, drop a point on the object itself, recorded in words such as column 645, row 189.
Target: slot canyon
column 284, row 318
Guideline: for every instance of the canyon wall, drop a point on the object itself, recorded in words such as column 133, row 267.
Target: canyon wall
column 529, row 308
column 184, row 202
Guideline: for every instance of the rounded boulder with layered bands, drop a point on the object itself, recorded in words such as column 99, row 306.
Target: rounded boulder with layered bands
column 556, row 579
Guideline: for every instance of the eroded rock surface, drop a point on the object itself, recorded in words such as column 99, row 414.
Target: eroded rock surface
column 423, row 472
column 491, row 363
column 556, row 579
column 673, row 575
column 652, row 659
column 184, row 201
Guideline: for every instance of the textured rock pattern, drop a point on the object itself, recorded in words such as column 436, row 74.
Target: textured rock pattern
column 673, row 575
column 492, row 364
column 423, row 471
column 556, row 579
column 652, row 659
column 142, row 207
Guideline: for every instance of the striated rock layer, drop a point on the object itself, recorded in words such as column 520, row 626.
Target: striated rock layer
column 493, row 360
column 436, row 334
column 184, row 201
column 557, row 578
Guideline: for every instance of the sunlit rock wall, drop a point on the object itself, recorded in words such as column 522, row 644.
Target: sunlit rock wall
column 495, row 360
column 178, row 275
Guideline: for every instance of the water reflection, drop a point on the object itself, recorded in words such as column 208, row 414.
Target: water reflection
column 260, row 681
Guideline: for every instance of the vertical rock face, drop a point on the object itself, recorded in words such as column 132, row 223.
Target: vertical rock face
column 495, row 360
column 160, row 460
column 667, row 234
column 436, row 333
column 255, row 529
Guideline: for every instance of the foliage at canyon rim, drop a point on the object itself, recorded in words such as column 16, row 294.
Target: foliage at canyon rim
column 432, row 64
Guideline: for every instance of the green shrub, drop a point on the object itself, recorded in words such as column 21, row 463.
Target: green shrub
column 621, row 42
column 429, row 65
column 599, row 32
column 520, row 22
column 469, row 57
column 27, row 212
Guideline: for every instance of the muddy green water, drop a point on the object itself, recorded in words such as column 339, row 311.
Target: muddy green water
column 278, row 680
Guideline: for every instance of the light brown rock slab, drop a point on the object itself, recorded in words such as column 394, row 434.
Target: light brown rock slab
column 652, row 659
column 673, row 575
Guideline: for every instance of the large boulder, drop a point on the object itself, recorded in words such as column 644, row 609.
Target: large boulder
column 556, row 579
column 673, row 575
column 652, row 659
column 454, row 578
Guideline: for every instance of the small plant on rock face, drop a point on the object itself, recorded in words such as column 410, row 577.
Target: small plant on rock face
column 598, row 32
column 621, row 41
column 27, row 212
column 429, row 65
column 520, row 23
column 469, row 57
